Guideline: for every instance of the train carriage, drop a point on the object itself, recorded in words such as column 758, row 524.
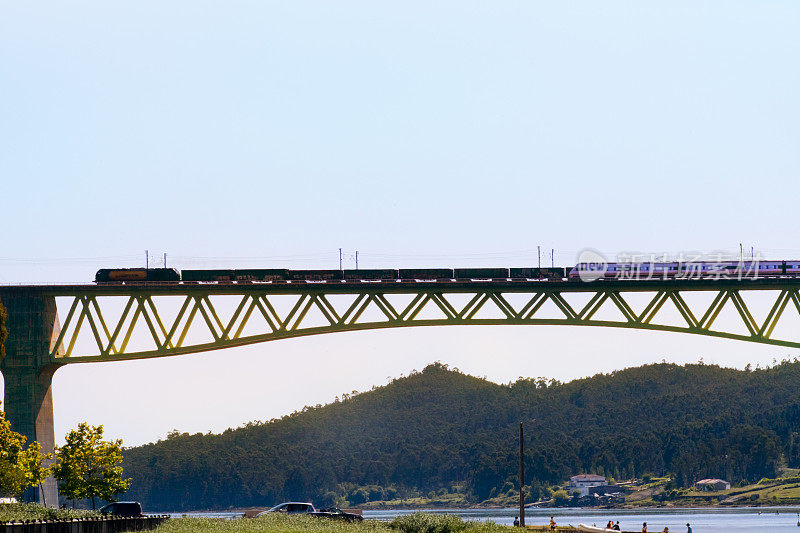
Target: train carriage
column 314, row 275
column 261, row 274
column 480, row 273
column 207, row 276
column 370, row 274
column 427, row 274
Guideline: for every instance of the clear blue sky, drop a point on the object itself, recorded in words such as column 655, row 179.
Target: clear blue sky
column 419, row 133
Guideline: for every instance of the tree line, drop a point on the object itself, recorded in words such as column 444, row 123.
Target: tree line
column 440, row 429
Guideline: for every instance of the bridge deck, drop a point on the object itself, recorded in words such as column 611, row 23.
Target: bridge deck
column 391, row 286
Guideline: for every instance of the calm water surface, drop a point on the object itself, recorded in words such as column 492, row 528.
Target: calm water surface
column 777, row 519
column 781, row 519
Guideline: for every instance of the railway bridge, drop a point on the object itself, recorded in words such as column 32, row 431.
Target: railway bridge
column 118, row 322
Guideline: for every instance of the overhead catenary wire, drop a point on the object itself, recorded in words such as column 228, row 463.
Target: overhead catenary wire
column 509, row 256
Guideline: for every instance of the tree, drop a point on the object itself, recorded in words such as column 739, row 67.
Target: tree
column 560, row 498
column 20, row 467
column 89, row 467
column 34, row 462
column 12, row 475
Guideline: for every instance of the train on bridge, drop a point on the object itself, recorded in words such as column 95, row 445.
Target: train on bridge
column 581, row 271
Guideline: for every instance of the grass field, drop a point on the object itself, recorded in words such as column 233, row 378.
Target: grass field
column 29, row 511
column 280, row 523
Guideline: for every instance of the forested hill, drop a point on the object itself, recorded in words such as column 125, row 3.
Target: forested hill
column 439, row 428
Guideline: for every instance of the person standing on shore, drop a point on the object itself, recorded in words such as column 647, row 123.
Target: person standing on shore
column 516, row 521
column 688, row 528
column 644, row 527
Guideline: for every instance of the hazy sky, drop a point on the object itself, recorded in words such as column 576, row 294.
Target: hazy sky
column 419, row 133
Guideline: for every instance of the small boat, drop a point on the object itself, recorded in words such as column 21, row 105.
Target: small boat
column 594, row 529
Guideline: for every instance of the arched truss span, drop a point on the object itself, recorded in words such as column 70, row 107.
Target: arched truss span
column 250, row 314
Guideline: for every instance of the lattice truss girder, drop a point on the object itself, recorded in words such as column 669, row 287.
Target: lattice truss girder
column 376, row 309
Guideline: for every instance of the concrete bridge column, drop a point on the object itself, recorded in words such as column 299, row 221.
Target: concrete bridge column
column 28, row 369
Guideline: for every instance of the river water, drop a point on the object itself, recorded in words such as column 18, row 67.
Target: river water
column 778, row 519
column 772, row 519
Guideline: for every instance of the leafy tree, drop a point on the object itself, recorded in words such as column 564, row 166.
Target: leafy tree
column 35, row 464
column 12, row 475
column 560, row 498
column 89, row 467
column 20, row 467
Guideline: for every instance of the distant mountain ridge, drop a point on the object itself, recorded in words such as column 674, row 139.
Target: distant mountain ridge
column 439, row 429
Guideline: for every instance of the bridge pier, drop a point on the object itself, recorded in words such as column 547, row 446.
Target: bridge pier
column 33, row 328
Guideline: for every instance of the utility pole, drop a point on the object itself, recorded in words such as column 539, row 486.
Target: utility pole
column 741, row 253
column 521, row 480
column 356, row 259
column 165, row 259
column 340, row 259
column 553, row 257
column 539, row 251
column 146, row 259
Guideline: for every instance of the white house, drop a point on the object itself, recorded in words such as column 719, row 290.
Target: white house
column 583, row 482
column 712, row 484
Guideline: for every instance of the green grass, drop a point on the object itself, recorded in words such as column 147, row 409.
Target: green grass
column 281, row 523
column 15, row 512
column 439, row 523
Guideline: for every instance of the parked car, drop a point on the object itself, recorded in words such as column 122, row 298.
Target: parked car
column 122, row 509
column 291, row 508
column 307, row 508
column 338, row 514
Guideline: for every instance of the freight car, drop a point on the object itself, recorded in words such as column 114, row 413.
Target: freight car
column 480, row 273
column 261, row 274
column 208, row 275
column 370, row 275
column 548, row 273
column 425, row 273
column 238, row 275
column 314, row 275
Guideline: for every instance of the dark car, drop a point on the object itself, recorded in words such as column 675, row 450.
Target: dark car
column 338, row 514
column 122, row 509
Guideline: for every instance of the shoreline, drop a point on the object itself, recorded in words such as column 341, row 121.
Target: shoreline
column 557, row 510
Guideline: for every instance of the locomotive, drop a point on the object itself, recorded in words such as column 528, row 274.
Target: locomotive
column 124, row 275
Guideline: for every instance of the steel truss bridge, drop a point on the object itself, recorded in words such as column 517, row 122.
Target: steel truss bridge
column 487, row 303
column 95, row 330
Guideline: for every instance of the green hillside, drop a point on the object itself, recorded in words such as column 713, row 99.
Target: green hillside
column 443, row 431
